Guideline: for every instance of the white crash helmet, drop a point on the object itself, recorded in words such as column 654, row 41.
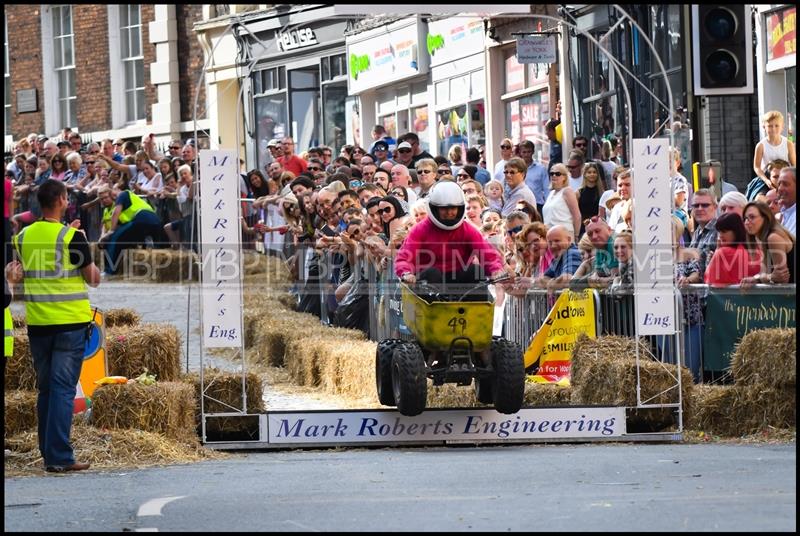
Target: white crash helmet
column 446, row 194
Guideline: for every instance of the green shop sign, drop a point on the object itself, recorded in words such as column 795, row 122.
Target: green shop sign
column 434, row 42
column 730, row 316
column 358, row 65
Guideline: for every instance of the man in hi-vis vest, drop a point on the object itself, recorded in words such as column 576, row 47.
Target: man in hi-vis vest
column 55, row 266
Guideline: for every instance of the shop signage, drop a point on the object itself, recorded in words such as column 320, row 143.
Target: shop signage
column 737, row 314
column 385, row 57
column 452, row 39
column 297, row 38
column 445, row 425
column 652, row 237
column 536, row 49
column 220, row 249
column 781, row 34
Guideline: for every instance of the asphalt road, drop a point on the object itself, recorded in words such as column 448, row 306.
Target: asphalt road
column 583, row 487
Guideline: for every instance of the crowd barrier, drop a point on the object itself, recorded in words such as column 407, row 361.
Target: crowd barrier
column 728, row 313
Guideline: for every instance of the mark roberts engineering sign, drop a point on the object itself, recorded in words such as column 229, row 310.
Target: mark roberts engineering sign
column 445, row 425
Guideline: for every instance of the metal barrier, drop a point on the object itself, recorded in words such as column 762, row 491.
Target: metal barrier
column 524, row 315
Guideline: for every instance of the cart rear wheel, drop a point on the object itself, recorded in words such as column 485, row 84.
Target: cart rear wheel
column 383, row 370
column 509, row 379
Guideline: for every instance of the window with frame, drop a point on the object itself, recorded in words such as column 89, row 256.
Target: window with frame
column 64, row 65
column 130, row 29
column 7, row 78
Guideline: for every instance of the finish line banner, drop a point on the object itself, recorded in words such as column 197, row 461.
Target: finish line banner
column 445, row 425
column 551, row 346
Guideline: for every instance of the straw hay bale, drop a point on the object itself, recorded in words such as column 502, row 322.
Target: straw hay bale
column 546, row 395
column 766, row 357
column 108, row 449
column 450, row 395
column 19, row 367
column 604, row 373
column 164, row 265
column 131, row 349
column 20, row 412
column 223, row 391
column 736, row 410
column 166, row 408
column 348, row 368
column 121, row 317
column 266, row 270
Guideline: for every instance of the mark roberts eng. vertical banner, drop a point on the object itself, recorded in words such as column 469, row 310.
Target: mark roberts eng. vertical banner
column 652, row 237
column 220, row 249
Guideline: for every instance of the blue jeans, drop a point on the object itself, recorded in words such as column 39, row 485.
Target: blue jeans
column 57, row 360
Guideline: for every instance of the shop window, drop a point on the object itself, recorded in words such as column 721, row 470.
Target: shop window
column 420, row 125
column 333, row 67
column 525, row 119
column 333, row 114
column 271, row 123
column 390, row 124
column 477, row 130
column 451, row 128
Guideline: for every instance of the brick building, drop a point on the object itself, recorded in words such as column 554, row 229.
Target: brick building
column 117, row 71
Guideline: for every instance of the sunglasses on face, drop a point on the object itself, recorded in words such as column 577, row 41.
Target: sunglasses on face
column 443, row 171
column 385, row 210
column 175, row 148
column 701, row 205
column 506, row 147
column 515, row 230
column 556, row 174
column 314, row 168
column 424, row 171
column 462, row 176
column 404, row 150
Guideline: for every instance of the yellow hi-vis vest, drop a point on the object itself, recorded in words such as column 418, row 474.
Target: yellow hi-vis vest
column 107, row 213
column 54, row 290
column 8, row 325
column 137, row 204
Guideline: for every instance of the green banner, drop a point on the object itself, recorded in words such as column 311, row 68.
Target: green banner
column 730, row 316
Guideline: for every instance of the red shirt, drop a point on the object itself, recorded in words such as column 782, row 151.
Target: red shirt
column 429, row 246
column 293, row 163
column 730, row 265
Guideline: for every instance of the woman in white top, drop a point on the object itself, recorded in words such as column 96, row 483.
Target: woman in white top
column 561, row 207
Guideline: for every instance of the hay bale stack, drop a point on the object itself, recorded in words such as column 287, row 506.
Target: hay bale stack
column 736, row 410
column 546, row 395
column 156, row 347
column 164, row 265
column 109, row 449
column 165, row 408
column 348, row 369
column 450, row 395
column 19, row 367
column 223, row 391
column 604, row 373
column 766, row 357
column 121, row 317
column 20, row 412
column 304, row 357
column 265, row 270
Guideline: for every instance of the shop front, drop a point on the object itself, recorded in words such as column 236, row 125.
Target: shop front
column 388, row 82
column 777, row 70
column 456, row 46
column 298, row 84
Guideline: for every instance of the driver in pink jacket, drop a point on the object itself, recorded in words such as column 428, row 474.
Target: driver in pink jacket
column 442, row 250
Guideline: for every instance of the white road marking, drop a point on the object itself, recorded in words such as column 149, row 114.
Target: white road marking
column 153, row 507
column 145, row 530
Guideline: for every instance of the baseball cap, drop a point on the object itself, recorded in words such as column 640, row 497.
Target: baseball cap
column 41, row 138
column 381, row 146
column 404, row 145
column 273, row 143
column 63, row 143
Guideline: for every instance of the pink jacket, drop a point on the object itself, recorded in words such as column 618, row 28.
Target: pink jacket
column 427, row 245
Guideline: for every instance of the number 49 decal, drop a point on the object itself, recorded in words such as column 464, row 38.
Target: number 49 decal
column 456, row 322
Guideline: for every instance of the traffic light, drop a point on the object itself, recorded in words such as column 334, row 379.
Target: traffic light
column 722, row 46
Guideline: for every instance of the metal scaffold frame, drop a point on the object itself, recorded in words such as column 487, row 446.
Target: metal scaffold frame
column 237, row 29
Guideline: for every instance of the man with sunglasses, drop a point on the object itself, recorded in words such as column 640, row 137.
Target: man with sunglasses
column 516, row 189
column 380, row 151
column 404, row 154
column 418, row 152
column 426, row 176
column 704, row 237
